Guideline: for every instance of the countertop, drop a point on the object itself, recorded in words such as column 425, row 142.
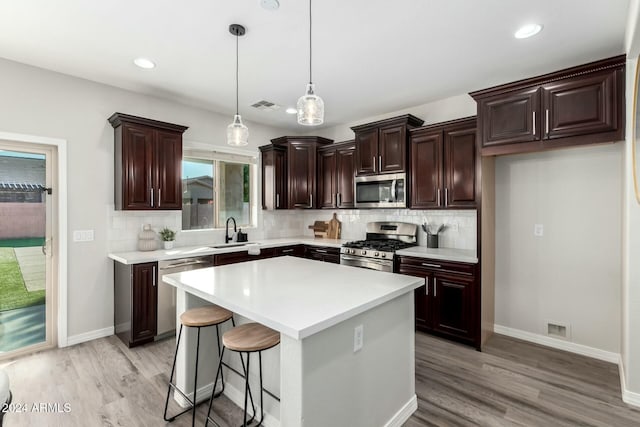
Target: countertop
column 136, row 257
column 445, row 254
column 295, row 296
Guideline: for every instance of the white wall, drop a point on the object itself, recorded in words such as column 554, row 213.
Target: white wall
column 44, row 103
column 572, row 274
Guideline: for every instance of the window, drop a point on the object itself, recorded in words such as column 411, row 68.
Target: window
column 216, row 186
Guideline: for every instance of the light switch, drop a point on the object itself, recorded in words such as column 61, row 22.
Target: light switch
column 83, row 235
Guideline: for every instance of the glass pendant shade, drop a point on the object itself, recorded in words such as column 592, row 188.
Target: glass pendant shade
column 237, row 133
column 310, row 108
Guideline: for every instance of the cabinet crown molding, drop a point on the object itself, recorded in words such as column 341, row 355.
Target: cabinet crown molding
column 287, row 139
column 117, row 119
column 406, row 119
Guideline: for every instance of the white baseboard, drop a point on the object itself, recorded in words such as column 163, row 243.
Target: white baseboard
column 404, row 413
column 628, row 397
column 88, row 336
column 572, row 347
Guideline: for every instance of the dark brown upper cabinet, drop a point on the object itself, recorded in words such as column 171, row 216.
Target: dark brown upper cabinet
column 444, row 163
column 148, row 163
column 579, row 105
column 336, row 172
column 381, row 147
column 301, row 163
column 274, row 177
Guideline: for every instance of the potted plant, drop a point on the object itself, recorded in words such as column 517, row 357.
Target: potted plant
column 168, row 236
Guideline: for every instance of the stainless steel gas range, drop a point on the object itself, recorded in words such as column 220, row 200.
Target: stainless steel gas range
column 383, row 239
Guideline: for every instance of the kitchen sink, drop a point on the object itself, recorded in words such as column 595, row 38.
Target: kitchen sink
column 228, row 245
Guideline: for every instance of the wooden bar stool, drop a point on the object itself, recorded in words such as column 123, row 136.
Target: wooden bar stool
column 248, row 338
column 200, row 317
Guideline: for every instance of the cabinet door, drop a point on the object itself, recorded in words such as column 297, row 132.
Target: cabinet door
column 392, row 149
column 327, row 169
column 453, row 305
column 295, row 250
column 510, row 117
column 274, row 178
column 580, row 105
column 426, row 170
column 168, row 170
column 137, row 167
column 367, row 152
column 345, row 173
column 144, row 302
column 460, row 167
column 302, row 174
column 421, row 296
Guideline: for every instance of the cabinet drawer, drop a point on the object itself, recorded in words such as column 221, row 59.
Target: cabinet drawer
column 428, row 265
column 295, row 250
column 242, row 256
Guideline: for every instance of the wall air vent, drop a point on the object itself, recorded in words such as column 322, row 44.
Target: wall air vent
column 266, row 106
column 558, row 330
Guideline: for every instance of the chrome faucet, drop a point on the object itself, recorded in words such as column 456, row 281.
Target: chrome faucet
column 227, row 239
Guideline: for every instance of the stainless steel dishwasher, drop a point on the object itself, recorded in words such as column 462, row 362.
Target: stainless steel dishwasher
column 167, row 294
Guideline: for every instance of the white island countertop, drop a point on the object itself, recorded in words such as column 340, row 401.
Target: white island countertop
column 296, row 297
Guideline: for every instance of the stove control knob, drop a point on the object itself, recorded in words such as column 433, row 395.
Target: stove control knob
column 364, row 252
column 383, row 255
column 376, row 254
column 348, row 251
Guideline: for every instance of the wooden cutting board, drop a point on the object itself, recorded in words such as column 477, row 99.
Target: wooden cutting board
column 333, row 232
column 320, row 228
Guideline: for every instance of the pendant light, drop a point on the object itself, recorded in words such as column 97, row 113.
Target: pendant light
column 237, row 133
column 310, row 106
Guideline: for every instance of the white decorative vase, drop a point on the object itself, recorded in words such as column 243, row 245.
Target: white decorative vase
column 168, row 244
column 147, row 239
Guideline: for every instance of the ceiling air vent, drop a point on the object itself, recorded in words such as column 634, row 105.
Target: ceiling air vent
column 265, row 106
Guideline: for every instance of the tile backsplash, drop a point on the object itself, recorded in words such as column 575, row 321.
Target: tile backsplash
column 460, row 232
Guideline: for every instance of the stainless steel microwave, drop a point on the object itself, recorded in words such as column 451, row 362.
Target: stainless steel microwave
column 381, row 191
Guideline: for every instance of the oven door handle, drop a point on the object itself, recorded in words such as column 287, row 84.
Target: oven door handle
column 351, row 258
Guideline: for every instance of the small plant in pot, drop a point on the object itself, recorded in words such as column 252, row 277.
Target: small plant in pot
column 168, row 236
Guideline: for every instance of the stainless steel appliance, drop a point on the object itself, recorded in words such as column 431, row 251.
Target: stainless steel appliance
column 377, row 251
column 381, row 191
column 167, row 294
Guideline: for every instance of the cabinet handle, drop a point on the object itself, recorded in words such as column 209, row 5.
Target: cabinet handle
column 285, row 251
column 151, row 191
column 159, row 196
column 310, row 200
column 154, row 276
column 336, row 200
column 339, row 199
column 426, row 264
column 546, row 125
column 438, row 196
column 277, row 200
column 446, row 197
column 427, row 286
column 435, row 287
column 373, row 160
column 322, row 251
column 534, row 122
column 379, row 163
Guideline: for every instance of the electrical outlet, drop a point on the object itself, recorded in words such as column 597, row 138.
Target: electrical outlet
column 538, row 230
column 358, row 338
column 83, row 236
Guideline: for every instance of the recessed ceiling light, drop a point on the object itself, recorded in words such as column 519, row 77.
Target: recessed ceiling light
column 528, row 31
column 270, row 4
column 144, row 63
column 291, row 110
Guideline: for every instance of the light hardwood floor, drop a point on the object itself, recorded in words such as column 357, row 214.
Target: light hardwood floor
column 510, row 383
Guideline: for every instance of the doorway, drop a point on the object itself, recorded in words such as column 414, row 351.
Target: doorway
column 28, row 249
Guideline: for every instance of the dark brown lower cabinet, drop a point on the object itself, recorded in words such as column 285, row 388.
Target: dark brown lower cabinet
column 448, row 304
column 323, row 253
column 136, row 302
column 294, row 250
column 242, row 256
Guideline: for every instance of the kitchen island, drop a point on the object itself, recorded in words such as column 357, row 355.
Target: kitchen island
column 317, row 373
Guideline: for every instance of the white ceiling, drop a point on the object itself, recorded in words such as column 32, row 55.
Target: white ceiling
column 370, row 56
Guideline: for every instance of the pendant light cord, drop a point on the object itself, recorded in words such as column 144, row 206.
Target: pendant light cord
column 310, row 49
column 237, row 110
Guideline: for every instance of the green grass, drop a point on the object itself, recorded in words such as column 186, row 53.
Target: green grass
column 22, row 243
column 13, row 293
